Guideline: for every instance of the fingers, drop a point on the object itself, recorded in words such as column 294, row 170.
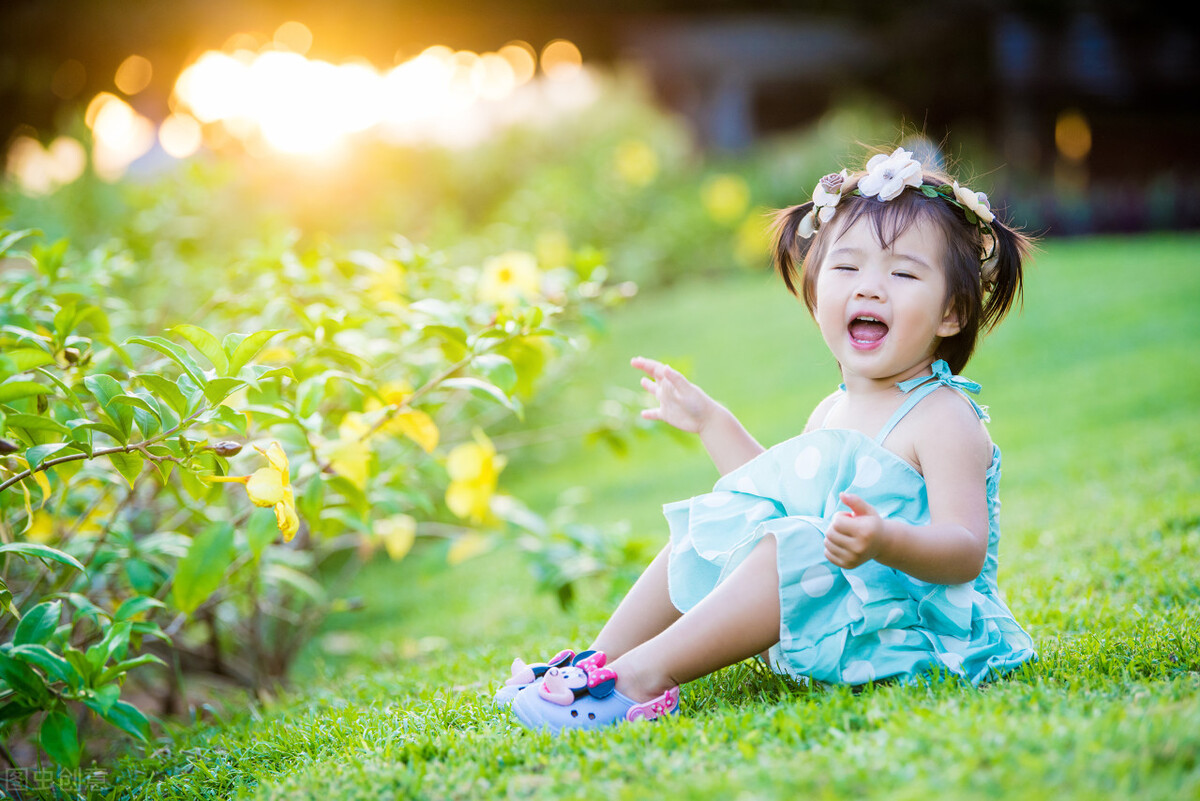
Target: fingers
column 648, row 366
column 657, row 370
column 857, row 505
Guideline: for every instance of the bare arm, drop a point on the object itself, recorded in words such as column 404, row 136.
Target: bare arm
column 684, row 405
column 954, row 452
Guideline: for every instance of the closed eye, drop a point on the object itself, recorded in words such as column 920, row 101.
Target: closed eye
column 901, row 274
column 847, row 267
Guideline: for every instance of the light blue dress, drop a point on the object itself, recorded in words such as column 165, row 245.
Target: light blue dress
column 848, row 626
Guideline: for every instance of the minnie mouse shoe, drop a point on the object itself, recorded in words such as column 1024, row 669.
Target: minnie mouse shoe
column 524, row 675
column 584, row 696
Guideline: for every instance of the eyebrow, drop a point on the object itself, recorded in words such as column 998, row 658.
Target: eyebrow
column 905, row 256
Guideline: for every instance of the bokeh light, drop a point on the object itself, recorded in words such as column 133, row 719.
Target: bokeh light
column 265, row 95
column 41, row 170
column 269, row 93
column 180, row 135
column 120, row 135
column 1073, row 135
column 134, row 75
column 561, row 59
column 522, row 58
column 294, row 36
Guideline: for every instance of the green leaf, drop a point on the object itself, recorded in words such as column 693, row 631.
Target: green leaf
column 15, row 390
column 248, row 348
column 6, row 600
column 167, row 390
column 40, row 453
column 67, row 392
column 484, row 389
column 232, row 418
column 38, row 623
column 106, row 389
column 68, row 318
column 124, row 666
column 35, row 422
column 55, row 667
column 16, row 710
column 146, row 412
column 128, row 465
column 497, row 369
column 221, row 388
column 20, row 677
column 60, row 739
column 200, row 573
column 28, row 358
column 129, row 718
column 138, row 604
column 116, row 639
column 35, row 550
column 206, row 343
column 928, row 191
column 261, row 531
column 11, row 238
column 174, row 353
column 49, row 258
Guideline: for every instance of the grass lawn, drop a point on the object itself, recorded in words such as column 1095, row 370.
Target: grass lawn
column 1094, row 391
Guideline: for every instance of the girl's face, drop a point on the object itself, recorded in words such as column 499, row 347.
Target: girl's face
column 882, row 311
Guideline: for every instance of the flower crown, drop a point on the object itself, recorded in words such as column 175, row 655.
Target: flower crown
column 888, row 176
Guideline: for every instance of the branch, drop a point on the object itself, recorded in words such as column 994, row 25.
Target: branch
column 135, row 446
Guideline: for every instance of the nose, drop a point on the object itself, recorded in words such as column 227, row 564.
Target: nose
column 869, row 286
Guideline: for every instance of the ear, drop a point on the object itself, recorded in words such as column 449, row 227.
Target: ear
column 950, row 324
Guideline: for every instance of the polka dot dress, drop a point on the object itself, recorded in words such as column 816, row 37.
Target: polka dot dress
column 847, row 626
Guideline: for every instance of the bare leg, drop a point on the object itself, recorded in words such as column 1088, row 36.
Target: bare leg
column 645, row 611
column 738, row 619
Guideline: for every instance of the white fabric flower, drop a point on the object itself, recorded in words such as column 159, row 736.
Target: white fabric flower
column 977, row 202
column 888, row 175
column 807, row 227
column 829, row 189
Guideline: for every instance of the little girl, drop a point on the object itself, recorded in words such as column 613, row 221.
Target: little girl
column 865, row 548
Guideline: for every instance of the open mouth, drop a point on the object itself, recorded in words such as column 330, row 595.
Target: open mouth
column 867, row 332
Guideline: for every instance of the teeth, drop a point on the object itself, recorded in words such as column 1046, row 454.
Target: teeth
column 868, row 318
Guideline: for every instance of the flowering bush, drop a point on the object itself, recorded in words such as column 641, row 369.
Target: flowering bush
column 346, row 391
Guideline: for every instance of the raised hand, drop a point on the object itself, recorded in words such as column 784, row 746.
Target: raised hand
column 856, row 536
column 680, row 402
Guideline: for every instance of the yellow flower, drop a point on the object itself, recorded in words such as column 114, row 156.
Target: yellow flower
column 398, row 534
column 725, row 198
column 474, row 469
column 509, row 278
column 414, row 423
column 350, row 454
column 271, row 486
column 636, row 162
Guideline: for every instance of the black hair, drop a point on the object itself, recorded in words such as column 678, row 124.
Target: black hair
column 979, row 301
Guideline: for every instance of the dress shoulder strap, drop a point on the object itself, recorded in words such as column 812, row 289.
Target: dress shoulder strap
column 922, row 386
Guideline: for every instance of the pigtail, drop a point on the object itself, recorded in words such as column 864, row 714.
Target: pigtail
column 789, row 248
column 1003, row 273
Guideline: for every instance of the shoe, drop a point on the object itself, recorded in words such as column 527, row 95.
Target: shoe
column 524, row 675
column 584, row 696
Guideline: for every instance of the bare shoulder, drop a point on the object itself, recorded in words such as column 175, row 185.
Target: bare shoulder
column 945, row 423
column 817, row 418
